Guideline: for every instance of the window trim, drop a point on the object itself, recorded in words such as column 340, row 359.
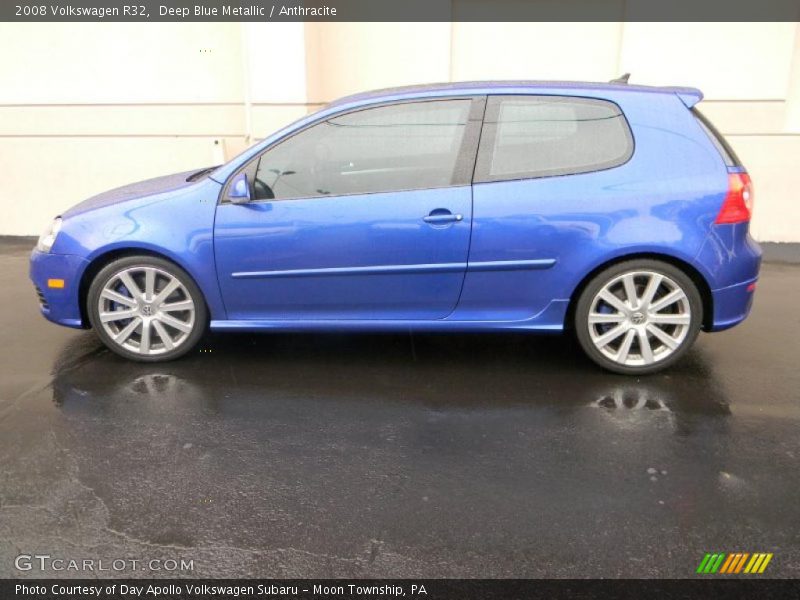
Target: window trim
column 722, row 145
column 489, row 136
column 462, row 172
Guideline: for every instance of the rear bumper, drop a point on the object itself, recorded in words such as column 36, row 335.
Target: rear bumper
column 730, row 260
column 59, row 305
column 732, row 304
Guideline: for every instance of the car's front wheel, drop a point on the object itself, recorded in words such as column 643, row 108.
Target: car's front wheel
column 147, row 309
column 638, row 316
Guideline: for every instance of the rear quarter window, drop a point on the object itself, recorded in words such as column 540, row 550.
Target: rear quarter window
column 543, row 136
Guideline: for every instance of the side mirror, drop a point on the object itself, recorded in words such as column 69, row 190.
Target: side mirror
column 239, row 191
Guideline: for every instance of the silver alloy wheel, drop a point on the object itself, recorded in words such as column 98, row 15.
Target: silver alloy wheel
column 146, row 310
column 639, row 318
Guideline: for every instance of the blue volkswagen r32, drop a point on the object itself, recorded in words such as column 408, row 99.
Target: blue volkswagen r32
column 614, row 211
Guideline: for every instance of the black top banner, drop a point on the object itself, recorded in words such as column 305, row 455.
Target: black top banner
column 399, row 10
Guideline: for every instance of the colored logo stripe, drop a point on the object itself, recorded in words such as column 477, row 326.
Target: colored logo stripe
column 703, row 563
column 758, row 563
column 727, row 564
column 710, row 563
column 734, row 562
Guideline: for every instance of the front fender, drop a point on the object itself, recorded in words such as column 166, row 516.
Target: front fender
column 177, row 225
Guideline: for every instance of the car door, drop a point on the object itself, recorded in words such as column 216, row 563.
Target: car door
column 365, row 215
column 546, row 188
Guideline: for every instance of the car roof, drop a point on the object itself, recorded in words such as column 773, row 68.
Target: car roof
column 688, row 94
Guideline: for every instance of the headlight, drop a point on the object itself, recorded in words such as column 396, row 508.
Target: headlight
column 48, row 237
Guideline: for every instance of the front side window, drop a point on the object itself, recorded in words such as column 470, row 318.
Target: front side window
column 540, row 136
column 388, row 148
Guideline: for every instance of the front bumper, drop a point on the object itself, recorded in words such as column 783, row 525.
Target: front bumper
column 59, row 305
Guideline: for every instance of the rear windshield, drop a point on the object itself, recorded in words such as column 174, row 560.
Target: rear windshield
column 724, row 148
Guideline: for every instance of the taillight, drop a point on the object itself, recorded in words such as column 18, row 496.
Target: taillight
column 738, row 205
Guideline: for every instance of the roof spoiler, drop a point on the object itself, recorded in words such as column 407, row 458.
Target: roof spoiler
column 689, row 96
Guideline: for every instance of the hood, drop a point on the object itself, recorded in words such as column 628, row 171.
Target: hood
column 149, row 187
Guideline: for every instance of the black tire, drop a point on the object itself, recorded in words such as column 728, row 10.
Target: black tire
column 188, row 290
column 584, row 330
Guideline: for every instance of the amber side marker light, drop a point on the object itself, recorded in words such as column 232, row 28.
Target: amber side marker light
column 55, row 283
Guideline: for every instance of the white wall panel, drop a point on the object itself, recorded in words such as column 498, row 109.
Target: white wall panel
column 93, row 63
column 750, row 117
column 86, row 107
column 575, row 51
column 276, row 62
column 731, row 61
column 122, row 120
column 344, row 58
column 793, row 95
column 775, row 169
column 52, row 174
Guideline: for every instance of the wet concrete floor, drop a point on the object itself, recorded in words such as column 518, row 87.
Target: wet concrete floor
column 397, row 455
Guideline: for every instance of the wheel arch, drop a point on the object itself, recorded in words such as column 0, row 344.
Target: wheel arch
column 691, row 271
column 100, row 261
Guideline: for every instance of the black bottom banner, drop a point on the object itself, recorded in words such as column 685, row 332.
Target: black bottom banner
column 433, row 589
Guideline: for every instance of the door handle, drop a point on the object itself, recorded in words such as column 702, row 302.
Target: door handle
column 439, row 218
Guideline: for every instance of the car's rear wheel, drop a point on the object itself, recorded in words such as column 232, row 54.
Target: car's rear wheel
column 146, row 308
column 638, row 316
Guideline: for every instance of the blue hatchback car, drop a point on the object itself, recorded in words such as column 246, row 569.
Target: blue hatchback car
column 612, row 210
